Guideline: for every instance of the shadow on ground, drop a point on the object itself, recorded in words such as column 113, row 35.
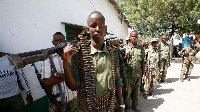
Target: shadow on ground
column 147, row 105
column 176, row 60
column 194, row 77
column 171, row 80
column 163, row 91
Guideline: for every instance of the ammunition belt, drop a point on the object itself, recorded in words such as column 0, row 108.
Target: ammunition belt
column 87, row 101
column 103, row 102
column 112, row 105
column 87, row 71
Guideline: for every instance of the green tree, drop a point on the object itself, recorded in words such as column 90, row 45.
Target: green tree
column 153, row 18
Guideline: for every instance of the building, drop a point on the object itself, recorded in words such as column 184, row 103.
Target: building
column 28, row 25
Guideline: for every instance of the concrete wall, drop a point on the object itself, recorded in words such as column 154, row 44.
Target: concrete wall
column 28, row 25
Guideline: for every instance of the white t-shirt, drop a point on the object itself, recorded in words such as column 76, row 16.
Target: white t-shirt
column 8, row 79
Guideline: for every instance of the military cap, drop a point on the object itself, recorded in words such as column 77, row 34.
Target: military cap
column 154, row 40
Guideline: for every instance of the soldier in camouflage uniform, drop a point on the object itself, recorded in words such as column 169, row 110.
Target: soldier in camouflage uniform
column 135, row 68
column 152, row 69
column 146, row 49
column 188, row 54
column 165, row 56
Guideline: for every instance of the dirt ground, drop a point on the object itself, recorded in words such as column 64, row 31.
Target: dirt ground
column 175, row 96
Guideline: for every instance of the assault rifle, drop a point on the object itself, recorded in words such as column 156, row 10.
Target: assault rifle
column 112, row 40
column 49, row 93
column 20, row 60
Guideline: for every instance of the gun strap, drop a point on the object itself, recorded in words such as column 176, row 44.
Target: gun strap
column 59, row 85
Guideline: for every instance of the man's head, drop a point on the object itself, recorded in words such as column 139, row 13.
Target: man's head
column 164, row 39
column 133, row 37
column 96, row 26
column 154, row 42
column 58, row 38
column 192, row 43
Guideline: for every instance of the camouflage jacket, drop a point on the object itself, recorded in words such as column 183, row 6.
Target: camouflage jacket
column 189, row 53
column 165, row 52
column 152, row 60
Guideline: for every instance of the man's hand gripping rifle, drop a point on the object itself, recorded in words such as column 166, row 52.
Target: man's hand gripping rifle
column 20, row 60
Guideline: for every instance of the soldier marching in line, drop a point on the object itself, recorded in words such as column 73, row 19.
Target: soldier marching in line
column 115, row 44
column 188, row 54
column 135, row 68
column 152, row 56
column 165, row 57
column 145, row 45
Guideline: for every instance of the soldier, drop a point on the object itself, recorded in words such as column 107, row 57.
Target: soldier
column 165, row 56
column 145, row 45
column 152, row 69
column 100, row 95
column 135, row 63
column 188, row 54
column 118, row 53
column 114, row 43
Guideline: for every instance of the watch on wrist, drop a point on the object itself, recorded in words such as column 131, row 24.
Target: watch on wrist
column 123, row 106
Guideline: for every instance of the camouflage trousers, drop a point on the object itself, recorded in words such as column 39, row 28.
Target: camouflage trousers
column 70, row 105
column 186, row 69
column 150, row 84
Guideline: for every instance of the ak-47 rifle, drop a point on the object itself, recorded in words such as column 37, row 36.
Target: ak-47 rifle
column 20, row 60
column 49, row 93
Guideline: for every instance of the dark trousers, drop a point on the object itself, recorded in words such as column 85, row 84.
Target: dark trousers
column 12, row 104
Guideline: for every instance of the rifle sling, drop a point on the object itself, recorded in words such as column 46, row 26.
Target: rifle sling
column 59, row 85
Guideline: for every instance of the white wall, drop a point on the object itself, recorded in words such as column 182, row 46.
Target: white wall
column 28, row 25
